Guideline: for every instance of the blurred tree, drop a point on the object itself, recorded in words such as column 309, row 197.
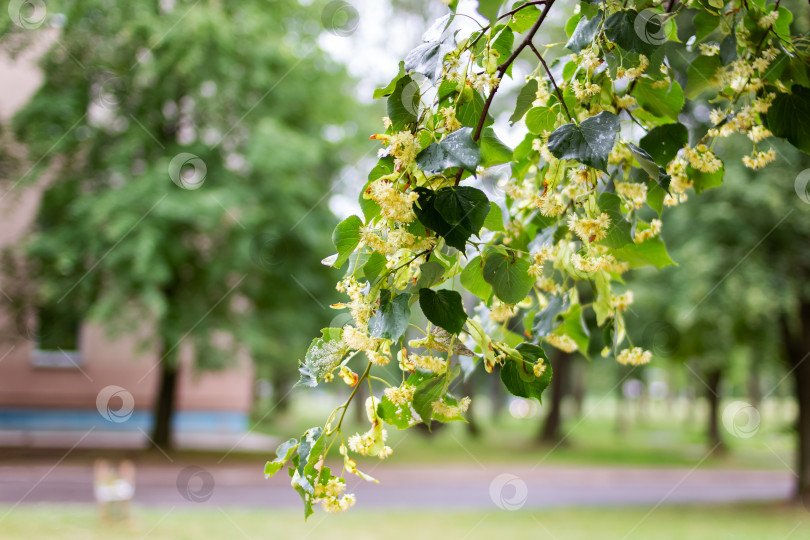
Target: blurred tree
column 191, row 166
column 740, row 296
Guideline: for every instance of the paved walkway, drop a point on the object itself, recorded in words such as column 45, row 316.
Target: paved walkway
column 486, row 487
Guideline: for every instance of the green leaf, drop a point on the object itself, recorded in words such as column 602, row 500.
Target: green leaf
column 323, row 355
column 430, row 273
column 494, row 220
column 426, row 393
column 388, row 90
column 346, row 237
column 705, row 180
column 428, row 59
column 283, row 453
column 645, row 160
column 518, row 375
column 525, row 98
column 728, row 49
column 541, row 119
column 374, row 266
column 584, row 32
column 589, row 143
column 493, row 150
column 705, row 23
column 502, row 43
column 391, row 320
column 472, row 278
column 455, row 212
column 508, row 275
column 456, row 150
column 666, row 101
column 650, row 252
column 782, row 25
column 700, row 75
column 469, row 112
column 463, row 206
column 663, row 142
column 403, row 103
column 574, row 327
column 788, row 117
column 523, row 19
column 618, row 234
column 443, row 308
column 655, row 196
column 395, row 415
column 545, row 319
column 620, row 28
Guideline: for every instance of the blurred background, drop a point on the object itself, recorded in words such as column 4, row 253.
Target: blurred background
column 170, row 173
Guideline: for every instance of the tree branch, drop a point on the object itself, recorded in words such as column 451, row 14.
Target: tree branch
column 508, row 62
column 553, row 82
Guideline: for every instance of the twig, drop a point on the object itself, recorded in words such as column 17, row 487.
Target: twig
column 553, row 82
column 508, row 62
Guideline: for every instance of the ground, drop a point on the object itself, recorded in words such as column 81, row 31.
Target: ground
column 750, row 522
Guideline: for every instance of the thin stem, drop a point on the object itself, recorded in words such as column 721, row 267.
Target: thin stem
column 522, row 6
column 508, row 62
column 345, row 406
column 553, row 82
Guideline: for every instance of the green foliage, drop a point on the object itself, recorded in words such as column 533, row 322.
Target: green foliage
column 581, row 201
column 518, row 374
column 589, row 142
column 443, row 308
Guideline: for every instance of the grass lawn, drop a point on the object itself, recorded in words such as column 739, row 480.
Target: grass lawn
column 659, row 438
column 753, row 522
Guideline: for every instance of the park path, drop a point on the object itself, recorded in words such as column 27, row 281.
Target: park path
column 460, row 487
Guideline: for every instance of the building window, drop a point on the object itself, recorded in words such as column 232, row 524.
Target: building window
column 57, row 338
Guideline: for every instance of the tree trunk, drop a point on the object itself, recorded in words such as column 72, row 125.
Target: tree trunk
column 713, row 379
column 754, row 383
column 552, row 426
column 281, row 383
column 163, row 411
column 468, row 389
column 578, row 388
column 496, row 395
column 796, row 340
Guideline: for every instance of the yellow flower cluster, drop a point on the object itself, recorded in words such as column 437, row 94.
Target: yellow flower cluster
column 371, row 443
column 709, row 49
column 550, row 203
column 562, row 342
column 634, row 72
column 646, row 234
column 626, row 102
column 621, row 302
column 703, row 159
column 542, row 94
column 584, row 91
column 443, row 409
column 393, row 203
column 633, row 192
column 332, row 497
column 539, row 368
column 590, row 229
column 634, row 357
column 502, row 312
column 757, row 160
column 766, row 21
column 359, row 306
column 404, row 147
column 588, row 59
column 450, row 121
column 400, row 395
column 414, row 361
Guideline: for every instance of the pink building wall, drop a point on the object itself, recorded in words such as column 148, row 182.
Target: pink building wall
column 34, row 397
